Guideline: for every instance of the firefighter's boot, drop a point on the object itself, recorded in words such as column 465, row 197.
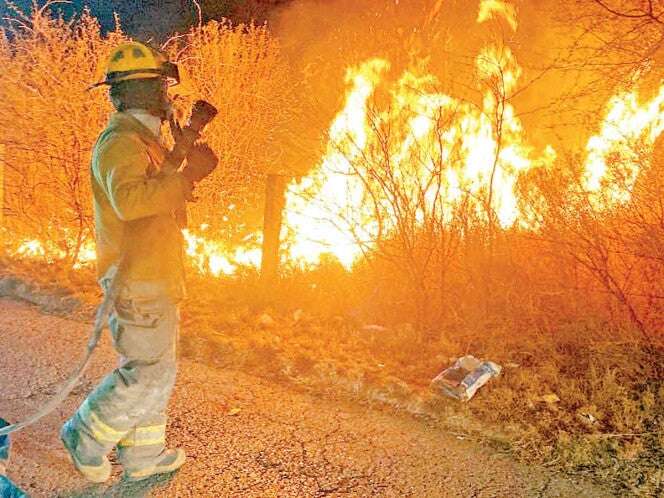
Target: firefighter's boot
column 169, row 461
column 94, row 469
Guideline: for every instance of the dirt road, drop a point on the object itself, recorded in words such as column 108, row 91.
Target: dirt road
column 246, row 436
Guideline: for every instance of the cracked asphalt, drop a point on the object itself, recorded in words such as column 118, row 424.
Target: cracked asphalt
column 247, row 436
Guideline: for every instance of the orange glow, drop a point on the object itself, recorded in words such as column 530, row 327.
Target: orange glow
column 36, row 249
column 205, row 254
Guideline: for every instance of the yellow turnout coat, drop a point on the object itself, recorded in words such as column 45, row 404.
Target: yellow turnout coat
column 135, row 205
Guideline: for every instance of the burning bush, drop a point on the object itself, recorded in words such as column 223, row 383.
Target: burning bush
column 240, row 69
column 50, row 125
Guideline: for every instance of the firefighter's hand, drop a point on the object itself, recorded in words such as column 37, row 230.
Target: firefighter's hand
column 201, row 161
column 183, row 137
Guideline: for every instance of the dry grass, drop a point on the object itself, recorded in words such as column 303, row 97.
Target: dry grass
column 607, row 423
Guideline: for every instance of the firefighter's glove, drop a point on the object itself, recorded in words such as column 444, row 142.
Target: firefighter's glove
column 183, row 136
column 201, row 162
column 184, row 140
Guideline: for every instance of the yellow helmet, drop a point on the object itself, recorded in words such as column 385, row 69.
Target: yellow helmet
column 133, row 61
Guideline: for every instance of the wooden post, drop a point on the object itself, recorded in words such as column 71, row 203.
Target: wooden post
column 275, row 188
column 2, row 196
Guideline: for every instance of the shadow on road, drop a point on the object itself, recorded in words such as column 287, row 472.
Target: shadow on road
column 122, row 489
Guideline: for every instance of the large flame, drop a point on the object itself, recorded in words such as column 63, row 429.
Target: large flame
column 626, row 138
column 313, row 207
column 209, row 256
column 481, row 151
column 491, row 9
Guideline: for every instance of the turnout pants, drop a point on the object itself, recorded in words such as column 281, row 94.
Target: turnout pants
column 128, row 408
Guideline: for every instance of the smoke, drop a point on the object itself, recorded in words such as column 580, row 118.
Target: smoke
column 322, row 38
column 144, row 19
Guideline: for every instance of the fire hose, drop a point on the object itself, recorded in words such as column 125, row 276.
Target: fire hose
column 202, row 113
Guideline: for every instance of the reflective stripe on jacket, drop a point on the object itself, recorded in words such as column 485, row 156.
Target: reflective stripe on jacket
column 135, row 205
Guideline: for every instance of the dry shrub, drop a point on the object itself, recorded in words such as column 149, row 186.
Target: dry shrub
column 51, row 123
column 590, row 260
column 240, row 70
column 612, row 249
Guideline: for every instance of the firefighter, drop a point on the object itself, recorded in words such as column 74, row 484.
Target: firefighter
column 137, row 228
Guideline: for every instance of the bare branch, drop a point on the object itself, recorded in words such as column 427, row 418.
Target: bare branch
column 633, row 13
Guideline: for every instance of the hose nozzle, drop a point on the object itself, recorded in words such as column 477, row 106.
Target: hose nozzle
column 202, row 113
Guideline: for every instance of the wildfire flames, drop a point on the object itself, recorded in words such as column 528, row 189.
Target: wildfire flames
column 36, row 249
column 327, row 212
column 209, row 256
column 627, row 125
column 483, row 148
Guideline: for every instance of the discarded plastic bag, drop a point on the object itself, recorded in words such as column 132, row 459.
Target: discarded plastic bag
column 462, row 380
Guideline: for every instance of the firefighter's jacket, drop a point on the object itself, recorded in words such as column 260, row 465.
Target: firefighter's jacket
column 135, row 205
